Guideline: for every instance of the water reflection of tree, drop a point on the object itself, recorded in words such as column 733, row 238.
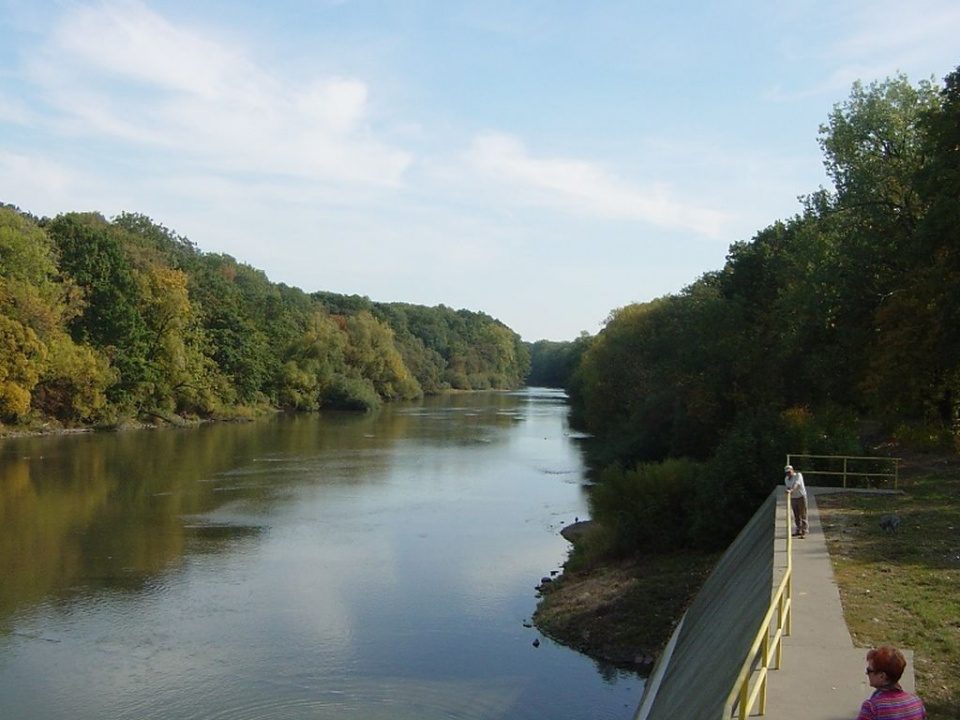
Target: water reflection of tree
column 112, row 511
column 115, row 511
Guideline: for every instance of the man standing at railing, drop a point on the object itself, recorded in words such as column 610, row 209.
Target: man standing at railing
column 798, row 500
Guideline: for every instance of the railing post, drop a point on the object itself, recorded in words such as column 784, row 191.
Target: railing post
column 762, row 710
column 781, row 624
column 789, row 589
column 766, row 666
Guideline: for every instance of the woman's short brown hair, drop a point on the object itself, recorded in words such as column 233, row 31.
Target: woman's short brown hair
column 887, row 660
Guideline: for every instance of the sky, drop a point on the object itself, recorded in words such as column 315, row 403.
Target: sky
column 542, row 161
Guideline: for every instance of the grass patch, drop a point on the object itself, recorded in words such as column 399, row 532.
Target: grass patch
column 904, row 589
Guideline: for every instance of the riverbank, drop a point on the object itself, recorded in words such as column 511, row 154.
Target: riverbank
column 898, row 588
column 148, row 422
column 622, row 612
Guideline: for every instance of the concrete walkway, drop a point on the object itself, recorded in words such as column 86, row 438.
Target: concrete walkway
column 822, row 675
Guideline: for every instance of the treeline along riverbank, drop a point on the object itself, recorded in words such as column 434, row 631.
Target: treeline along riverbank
column 107, row 321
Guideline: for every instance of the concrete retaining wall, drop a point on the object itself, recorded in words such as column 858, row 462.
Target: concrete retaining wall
column 694, row 676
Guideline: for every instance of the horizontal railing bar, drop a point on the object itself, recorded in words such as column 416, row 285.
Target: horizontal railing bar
column 849, row 473
column 848, row 457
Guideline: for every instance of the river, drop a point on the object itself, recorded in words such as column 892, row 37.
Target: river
column 309, row 566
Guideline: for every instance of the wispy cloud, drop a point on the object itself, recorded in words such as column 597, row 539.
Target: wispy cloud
column 119, row 70
column 584, row 186
column 37, row 178
column 889, row 34
column 879, row 39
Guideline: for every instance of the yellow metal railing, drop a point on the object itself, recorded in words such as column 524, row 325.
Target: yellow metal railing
column 890, row 466
column 750, row 688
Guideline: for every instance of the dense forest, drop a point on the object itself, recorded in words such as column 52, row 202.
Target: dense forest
column 842, row 319
column 103, row 322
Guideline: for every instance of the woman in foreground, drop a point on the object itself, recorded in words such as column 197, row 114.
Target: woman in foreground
column 889, row 701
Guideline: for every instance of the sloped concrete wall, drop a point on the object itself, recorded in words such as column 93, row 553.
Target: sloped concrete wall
column 694, row 677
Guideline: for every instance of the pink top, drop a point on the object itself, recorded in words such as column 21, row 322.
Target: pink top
column 892, row 703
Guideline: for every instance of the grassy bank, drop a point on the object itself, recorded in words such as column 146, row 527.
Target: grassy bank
column 904, row 589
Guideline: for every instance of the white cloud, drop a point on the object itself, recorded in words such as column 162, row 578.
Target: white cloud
column 126, row 39
column 876, row 40
column 13, row 110
column 891, row 36
column 119, row 71
column 36, row 184
column 586, row 187
column 337, row 103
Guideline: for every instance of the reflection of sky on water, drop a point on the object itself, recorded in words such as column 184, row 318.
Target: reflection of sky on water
column 382, row 567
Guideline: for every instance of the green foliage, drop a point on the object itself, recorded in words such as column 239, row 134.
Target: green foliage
column 553, row 364
column 21, row 356
column 743, row 471
column 849, row 311
column 457, row 349
column 647, row 507
column 652, row 385
column 234, row 303
column 93, row 257
column 73, row 384
column 312, row 364
column 30, row 290
column 178, row 252
column 26, row 253
column 350, row 393
column 371, row 352
column 873, row 152
column 425, row 365
column 681, row 503
column 106, row 320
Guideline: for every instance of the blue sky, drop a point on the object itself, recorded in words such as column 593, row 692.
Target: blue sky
column 543, row 162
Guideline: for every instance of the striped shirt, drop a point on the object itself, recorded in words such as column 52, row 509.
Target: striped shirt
column 892, row 703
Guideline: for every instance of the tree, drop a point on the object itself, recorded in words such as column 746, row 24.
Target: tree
column 178, row 251
column 30, row 289
column 73, row 382
column 182, row 375
column 371, row 353
column 873, row 152
column 917, row 370
column 231, row 301
column 876, row 152
column 313, row 363
column 94, row 259
column 21, row 356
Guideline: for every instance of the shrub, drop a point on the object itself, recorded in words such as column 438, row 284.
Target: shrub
column 647, row 508
column 346, row 393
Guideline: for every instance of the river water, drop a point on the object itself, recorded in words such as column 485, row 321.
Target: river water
column 310, row 566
